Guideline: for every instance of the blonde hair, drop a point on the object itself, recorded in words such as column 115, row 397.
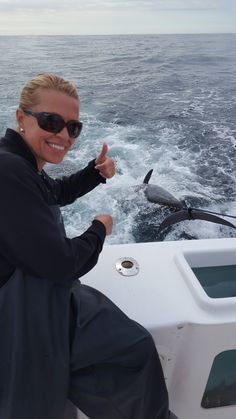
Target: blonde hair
column 29, row 95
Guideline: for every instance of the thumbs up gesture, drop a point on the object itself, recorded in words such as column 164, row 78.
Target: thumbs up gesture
column 105, row 165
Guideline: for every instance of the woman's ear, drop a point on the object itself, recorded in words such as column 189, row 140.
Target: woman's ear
column 20, row 119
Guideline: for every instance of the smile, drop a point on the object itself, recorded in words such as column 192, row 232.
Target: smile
column 56, row 146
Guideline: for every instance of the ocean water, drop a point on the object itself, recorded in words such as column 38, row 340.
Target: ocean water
column 161, row 102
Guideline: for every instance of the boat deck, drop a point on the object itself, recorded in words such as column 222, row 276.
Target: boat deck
column 194, row 333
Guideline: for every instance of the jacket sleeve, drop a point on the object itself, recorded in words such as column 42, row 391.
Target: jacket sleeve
column 29, row 237
column 69, row 188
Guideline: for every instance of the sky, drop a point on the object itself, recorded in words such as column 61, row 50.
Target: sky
column 101, row 17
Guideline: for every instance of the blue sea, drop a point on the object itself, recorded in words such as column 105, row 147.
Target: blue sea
column 161, row 102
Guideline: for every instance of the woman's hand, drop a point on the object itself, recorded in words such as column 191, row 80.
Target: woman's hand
column 106, row 220
column 105, row 165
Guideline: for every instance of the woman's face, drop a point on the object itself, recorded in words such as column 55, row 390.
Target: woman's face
column 47, row 146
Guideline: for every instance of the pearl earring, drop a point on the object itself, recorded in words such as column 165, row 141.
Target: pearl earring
column 22, row 130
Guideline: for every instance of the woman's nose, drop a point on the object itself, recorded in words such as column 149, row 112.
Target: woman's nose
column 63, row 134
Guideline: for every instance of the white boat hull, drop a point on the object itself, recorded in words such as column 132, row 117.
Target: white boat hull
column 190, row 328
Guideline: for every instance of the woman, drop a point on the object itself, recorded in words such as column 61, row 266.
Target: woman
column 61, row 339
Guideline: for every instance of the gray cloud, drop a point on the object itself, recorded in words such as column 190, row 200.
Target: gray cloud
column 55, row 5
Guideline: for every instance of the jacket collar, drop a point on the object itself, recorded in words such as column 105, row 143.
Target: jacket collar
column 14, row 143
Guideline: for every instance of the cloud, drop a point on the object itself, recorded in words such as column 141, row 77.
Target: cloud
column 93, row 5
column 83, row 17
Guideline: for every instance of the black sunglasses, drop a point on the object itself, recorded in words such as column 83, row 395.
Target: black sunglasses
column 53, row 122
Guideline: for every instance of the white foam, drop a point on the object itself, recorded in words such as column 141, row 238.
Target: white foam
column 174, row 170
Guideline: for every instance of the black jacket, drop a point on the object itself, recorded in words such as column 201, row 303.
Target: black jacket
column 30, row 239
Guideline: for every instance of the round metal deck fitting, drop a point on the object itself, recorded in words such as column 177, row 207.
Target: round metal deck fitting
column 127, row 266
